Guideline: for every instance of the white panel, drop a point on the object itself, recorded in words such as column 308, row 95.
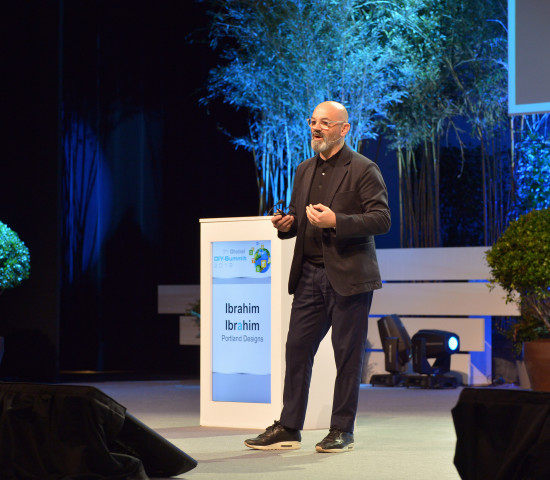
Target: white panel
column 452, row 263
column 471, row 331
column 177, row 298
column 527, row 58
column 440, row 299
column 230, row 414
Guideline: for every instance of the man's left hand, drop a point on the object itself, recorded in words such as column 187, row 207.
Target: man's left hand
column 321, row 216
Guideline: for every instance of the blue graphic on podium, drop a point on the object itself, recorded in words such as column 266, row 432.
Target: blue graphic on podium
column 262, row 259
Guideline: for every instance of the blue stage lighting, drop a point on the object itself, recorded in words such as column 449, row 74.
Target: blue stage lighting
column 436, row 344
column 453, row 343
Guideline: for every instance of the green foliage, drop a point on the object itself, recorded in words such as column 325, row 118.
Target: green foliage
column 14, row 259
column 283, row 57
column 459, row 79
column 460, row 53
column 520, row 264
column 520, row 258
column 406, row 68
column 533, row 173
column 522, row 329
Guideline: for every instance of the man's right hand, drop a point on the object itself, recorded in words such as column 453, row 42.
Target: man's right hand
column 281, row 223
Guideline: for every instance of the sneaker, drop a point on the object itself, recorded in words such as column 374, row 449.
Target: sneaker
column 276, row 437
column 336, row 441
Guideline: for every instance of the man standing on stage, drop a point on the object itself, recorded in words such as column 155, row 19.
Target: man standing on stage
column 339, row 202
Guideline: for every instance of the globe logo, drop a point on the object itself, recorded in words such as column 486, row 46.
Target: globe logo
column 262, row 259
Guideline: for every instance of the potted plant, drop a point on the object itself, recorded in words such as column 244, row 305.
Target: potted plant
column 14, row 259
column 520, row 264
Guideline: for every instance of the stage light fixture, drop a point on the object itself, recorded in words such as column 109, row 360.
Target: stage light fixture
column 438, row 345
column 397, row 351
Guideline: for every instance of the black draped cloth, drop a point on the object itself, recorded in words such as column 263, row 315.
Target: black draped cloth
column 502, row 434
column 57, row 432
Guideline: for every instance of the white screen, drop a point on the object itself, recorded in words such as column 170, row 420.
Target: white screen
column 528, row 56
column 241, row 321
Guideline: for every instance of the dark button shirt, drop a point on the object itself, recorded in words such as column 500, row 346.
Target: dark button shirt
column 313, row 247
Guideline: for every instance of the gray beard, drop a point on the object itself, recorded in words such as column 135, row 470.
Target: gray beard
column 321, row 146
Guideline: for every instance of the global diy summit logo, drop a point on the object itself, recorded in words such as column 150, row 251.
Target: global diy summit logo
column 261, row 258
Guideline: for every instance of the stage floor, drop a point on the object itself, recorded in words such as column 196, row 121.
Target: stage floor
column 400, row 434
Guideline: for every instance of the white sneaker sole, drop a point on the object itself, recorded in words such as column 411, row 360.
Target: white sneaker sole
column 347, row 448
column 276, row 446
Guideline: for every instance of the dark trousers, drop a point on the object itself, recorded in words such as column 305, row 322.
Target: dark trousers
column 315, row 308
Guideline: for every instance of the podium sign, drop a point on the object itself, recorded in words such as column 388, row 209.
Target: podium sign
column 241, row 321
column 245, row 312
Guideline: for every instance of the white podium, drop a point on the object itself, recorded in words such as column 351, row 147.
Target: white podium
column 245, row 311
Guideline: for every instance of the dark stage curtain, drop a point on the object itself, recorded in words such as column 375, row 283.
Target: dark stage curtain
column 62, row 432
column 137, row 151
column 502, row 435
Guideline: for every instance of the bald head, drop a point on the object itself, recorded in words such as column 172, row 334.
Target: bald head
column 329, row 126
column 333, row 110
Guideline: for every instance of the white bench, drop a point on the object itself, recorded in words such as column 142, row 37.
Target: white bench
column 444, row 289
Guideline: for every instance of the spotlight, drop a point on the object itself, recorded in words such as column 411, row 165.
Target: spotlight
column 397, row 351
column 438, row 345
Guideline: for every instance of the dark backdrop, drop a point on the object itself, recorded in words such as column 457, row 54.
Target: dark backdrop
column 128, row 73
column 28, row 182
column 108, row 164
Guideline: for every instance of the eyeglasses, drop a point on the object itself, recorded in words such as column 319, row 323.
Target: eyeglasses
column 323, row 124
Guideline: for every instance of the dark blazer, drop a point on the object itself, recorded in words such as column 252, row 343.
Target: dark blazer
column 357, row 194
